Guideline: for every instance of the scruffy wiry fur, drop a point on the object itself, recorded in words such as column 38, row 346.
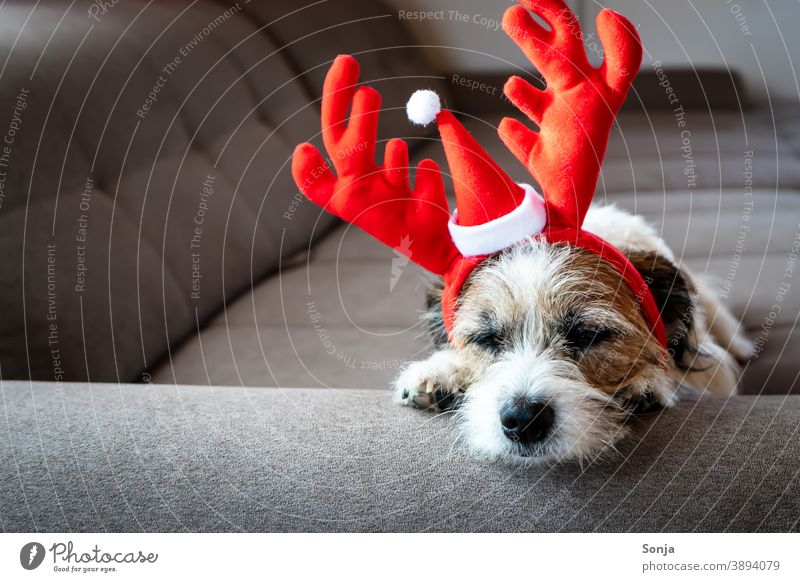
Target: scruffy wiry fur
column 556, row 324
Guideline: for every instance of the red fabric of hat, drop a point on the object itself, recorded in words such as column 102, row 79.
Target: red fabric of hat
column 574, row 113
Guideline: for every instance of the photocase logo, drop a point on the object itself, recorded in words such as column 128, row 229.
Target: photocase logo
column 31, row 555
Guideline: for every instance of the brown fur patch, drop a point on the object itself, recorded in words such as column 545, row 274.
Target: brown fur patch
column 618, row 361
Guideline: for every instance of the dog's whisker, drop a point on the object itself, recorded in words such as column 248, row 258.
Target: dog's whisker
column 436, row 416
column 458, row 437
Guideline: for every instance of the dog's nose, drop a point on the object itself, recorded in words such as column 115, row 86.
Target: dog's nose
column 525, row 421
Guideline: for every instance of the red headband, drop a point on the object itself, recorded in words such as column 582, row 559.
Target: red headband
column 574, row 113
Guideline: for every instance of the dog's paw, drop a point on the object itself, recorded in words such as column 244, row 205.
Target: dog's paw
column 429, row 384
column 643, row 403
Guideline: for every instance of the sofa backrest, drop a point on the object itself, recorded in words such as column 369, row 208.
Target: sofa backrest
column 313, row 33
column 144, row 174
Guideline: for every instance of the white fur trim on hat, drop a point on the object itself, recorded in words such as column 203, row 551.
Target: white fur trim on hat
column 526, row 220
column 423, row 106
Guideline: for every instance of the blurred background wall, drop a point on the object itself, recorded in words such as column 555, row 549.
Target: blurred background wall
column 757, row 38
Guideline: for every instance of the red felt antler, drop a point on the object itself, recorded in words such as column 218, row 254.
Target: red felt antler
column 378, row 199
column 576, row 110
column 575, row 114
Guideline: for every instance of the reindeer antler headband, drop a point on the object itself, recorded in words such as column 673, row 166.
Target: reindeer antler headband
column 574, row 113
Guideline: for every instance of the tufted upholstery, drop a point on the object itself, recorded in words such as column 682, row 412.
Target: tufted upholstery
column 138, row 123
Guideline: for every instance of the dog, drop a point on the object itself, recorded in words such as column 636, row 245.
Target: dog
column 549, row 355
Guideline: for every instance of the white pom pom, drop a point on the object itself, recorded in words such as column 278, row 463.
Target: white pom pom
column 423, row 107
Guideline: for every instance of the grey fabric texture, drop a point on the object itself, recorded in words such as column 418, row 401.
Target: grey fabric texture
column 91, row 156
column 177, row 458
column 311, row 34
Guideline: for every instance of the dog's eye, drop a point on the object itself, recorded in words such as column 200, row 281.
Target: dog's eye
column 491, row 336
column 579, row 337
column 490, row 339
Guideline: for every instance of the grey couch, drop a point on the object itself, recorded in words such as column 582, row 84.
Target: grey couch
column 188, row 345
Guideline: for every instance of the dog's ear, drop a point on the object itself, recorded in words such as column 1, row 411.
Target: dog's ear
column 433, row 319
column 674, row 295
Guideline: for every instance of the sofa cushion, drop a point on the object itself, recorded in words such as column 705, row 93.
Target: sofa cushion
column 336, row 320
column 180, row 458
column 124, row 120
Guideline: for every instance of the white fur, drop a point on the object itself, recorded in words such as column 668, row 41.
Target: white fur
column 625, row 230
column 439, row 371
column 584, row 417
column 725, row 328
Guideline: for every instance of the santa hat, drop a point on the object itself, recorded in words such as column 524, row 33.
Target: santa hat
column 492, row 211
column 575, row 114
